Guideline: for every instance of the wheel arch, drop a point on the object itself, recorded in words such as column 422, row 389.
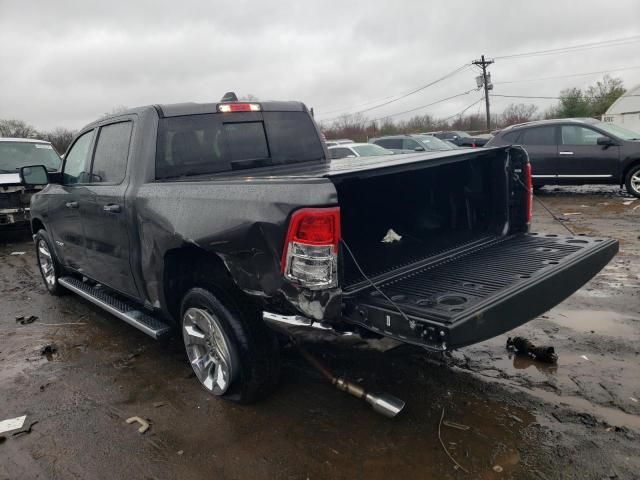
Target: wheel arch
column 37, row 225
column 633, row 163
column 188, row 267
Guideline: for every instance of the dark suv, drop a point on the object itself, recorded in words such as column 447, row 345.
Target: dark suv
column 577, row 151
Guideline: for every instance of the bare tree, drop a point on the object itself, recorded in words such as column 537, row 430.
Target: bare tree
column 518, row 113
column 17, row 128
column 59, row 137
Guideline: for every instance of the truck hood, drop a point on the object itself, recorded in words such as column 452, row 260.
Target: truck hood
column 10, row 179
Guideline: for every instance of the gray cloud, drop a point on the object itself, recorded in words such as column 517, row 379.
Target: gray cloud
column 66, row 63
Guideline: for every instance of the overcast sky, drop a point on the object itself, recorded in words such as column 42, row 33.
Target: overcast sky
column 65, row 63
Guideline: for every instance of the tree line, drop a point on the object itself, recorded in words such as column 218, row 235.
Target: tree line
column 592, row 101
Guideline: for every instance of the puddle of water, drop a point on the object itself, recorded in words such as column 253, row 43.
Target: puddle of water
column 601, row 322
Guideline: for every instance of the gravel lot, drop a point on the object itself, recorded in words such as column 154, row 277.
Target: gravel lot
column 579, row 419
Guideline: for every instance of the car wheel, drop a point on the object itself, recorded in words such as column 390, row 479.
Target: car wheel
column 633, row 181
column 232, row 352
column 48, row 264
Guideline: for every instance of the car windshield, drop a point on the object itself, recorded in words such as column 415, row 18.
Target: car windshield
column 618, row 131
column 462, row 134
column 371, row 150
column 433, row 143
column 14, row 155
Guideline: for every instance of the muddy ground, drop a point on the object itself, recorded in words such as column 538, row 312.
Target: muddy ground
column 579, row 419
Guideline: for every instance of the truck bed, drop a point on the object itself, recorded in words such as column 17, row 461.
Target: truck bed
column 482, row 291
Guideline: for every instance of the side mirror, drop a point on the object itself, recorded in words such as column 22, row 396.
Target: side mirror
column 418, row 149
column 605, row 141
column 35, row 175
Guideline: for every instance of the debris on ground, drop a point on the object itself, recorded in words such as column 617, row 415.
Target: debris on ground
column 159, row 404
column 22, row 320
column 445, row 448
column 48, row 349
column 144, row 424
column 12, row 423
column 497, row 468
column 569, row 214
column 522, row 346
column 584, row 357
column 455, row 425
column 17, row 253
column 26, row 430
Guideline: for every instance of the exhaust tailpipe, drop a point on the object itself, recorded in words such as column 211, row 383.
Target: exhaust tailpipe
column 383, row 403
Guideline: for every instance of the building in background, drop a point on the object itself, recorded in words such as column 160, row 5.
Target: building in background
column 625, row 111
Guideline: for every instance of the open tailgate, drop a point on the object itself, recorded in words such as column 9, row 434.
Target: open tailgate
column 464, row 298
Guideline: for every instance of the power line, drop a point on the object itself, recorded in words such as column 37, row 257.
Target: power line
column 405, row 95
column 424, row 106
column 567, row 76
column 464, row 109
column 573, row 48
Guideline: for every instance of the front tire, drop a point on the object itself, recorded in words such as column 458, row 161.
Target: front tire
column 232, row 352
column 632, row 182
column 48, row 264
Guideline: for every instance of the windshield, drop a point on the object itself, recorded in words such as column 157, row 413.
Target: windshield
column 617, row 131
column 371, row 150
column 213, row 143
column 462, row 134
column 433, row 143
column 14, row 155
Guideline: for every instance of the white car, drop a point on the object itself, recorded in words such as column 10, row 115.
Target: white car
column 352, row 150
column 340, row 141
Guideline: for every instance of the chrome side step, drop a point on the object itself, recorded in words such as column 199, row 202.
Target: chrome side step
column 121, row 309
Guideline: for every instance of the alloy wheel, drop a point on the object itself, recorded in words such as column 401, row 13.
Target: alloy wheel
column 210, row 352
column 45, row 261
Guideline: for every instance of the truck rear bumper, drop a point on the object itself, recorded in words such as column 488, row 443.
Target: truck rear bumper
column 477, row 295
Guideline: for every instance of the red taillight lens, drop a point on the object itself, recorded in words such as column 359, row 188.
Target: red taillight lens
column 310, row 254
column 238, row 107
column 473, row 145
column 529, row 183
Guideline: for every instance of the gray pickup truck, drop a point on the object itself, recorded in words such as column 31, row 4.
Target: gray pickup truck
column 224, row 219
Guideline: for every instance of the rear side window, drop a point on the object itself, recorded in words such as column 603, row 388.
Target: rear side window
column 213, row 143
column 539, row 136
column 112, row 151
column 393, row 143
column 511, row 137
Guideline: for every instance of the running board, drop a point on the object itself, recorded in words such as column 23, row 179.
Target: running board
column 121, row 309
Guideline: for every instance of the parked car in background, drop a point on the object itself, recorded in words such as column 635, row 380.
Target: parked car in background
column 462, row 139
column 340, row 141
column 410, row 143
column 350, row 150
column 16, row 153
column 577, row 151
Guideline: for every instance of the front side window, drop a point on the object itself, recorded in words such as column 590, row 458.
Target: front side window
column 112, row 151
column 76, row 164
column 409, row 144
column 575, row 135
column 539, row 136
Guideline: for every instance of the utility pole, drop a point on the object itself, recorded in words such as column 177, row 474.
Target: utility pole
column 486, row 82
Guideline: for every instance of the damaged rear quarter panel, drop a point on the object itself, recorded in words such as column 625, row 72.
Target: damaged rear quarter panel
column 242, row 221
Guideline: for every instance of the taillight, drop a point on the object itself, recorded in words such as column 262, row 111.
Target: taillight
column 529, row 183
column 310, row 255
column 473, row 145
column 238, row 107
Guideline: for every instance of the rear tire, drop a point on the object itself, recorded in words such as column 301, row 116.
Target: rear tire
column 232, row 352
column 632, row 182
column 48, row 264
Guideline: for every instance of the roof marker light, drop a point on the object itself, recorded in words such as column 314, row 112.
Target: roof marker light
column 238, row 107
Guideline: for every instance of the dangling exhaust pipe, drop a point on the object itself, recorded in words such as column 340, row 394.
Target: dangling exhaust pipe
column 383, row 403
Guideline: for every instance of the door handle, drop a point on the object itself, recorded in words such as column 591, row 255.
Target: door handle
column 565, row 153
column 111, row 208
column 71, row 204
